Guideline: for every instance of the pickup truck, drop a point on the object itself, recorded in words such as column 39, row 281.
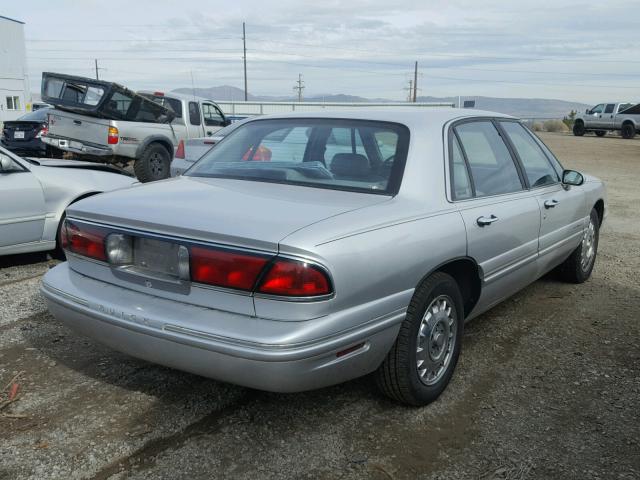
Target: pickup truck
column 623, row 117
column 103, row 121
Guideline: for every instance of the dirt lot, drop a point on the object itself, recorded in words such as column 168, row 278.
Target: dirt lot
column 548, row 387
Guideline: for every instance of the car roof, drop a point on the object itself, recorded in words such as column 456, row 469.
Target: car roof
column 410, row 116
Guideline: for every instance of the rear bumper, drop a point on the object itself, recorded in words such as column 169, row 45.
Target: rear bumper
column 76, row 146
column 150, row 328
column 35, row 146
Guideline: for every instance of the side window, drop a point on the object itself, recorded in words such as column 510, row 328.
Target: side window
column 119, row 104
column 598, row 108
column 212, row 116
column 459, row 174
column 492, row 167
column 623, row 106
column 609, row 108
column 536, row 165
column 194, row 113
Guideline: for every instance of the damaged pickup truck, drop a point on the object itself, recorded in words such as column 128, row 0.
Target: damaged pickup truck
column 103, row 121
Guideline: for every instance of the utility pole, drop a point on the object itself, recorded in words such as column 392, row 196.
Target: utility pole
column 410, row 91
column 299, row 87
column 415, row 83
column 244, row 58
column 96, row 62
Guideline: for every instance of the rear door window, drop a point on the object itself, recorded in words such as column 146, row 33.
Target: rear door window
column 493, row 170
column 460, row 177
column 609, row 108
column 194, row 113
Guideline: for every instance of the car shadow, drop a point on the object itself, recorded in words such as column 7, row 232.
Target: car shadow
column 22, row 259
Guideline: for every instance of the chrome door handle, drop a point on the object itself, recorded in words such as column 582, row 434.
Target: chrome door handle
column 484, row 221
column 550, row 203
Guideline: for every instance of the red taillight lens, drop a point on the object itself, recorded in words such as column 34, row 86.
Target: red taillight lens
column 43, row 132
column 295, row 279
column 84, row 240
column 113, row 136
column 180, row 150
column 224, row 268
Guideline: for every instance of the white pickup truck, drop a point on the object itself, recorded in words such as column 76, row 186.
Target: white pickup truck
column 103, row 121
column 623, row 117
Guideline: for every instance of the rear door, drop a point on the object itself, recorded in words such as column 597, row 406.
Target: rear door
column 22, row 208
column 608, row 116
column 194, row 120
column 501, row 217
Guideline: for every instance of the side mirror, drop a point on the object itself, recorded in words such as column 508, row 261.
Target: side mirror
column 587, row 111
column 5, row 163
column 571, row 177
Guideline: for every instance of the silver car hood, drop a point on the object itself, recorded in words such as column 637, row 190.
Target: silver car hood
column 234, row 212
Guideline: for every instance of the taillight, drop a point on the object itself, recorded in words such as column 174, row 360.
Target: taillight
column 225, row 268
column 43, row 132
column 112, row 137
column 294, row 278
column 85, row 240
column 180, row 150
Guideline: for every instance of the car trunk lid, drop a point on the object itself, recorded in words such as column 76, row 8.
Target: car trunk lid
column 245, row 214
column 21, row 130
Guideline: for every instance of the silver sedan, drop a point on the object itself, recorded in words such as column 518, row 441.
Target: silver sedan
column 34, row 194
column 310, row 249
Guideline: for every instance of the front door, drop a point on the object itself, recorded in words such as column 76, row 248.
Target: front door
column 22, row 209
column 561, row 206
column 594, row 119
column 501, row 217
column 213, row 118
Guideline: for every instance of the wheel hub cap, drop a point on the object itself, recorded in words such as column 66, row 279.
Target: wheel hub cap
column 436, row 340
column 588, row 247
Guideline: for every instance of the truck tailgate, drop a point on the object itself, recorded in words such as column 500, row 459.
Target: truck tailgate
column 78, row 127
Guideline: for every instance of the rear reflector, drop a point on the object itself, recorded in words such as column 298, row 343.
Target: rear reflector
column 180, row 150
column 349, row 350
column 295, row 278
column 225, row 268
column 85, row 240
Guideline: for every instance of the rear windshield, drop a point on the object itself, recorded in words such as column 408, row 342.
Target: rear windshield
column 354, row 155
column 172, row 104
column 37, row 116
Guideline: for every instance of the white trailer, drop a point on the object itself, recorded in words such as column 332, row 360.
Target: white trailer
column 264, row 108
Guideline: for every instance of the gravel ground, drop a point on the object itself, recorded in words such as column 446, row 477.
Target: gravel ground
column 548, row 387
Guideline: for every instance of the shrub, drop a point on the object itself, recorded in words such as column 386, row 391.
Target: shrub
column 536, row 127
column 555, row 126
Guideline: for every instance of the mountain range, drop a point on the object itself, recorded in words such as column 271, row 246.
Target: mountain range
column 519, row 107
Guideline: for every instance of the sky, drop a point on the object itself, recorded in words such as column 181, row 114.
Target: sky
column 582, row 51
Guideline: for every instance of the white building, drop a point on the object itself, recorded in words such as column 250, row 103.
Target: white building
column 15, row 95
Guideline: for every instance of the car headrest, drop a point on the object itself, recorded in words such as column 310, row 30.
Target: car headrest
column 350, row 165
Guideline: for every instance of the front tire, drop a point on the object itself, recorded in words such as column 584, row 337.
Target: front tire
column 578, row 267
column 154, row 164
column 601, row 133
column 628, row 131
column 578, row 129
column 422, row 360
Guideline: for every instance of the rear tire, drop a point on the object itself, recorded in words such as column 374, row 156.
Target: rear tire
column 58, row 253
column 628, row 131
column 154, row 164
column 422, row 360
column 601, row 133
column 578, row 129
column 578, row 267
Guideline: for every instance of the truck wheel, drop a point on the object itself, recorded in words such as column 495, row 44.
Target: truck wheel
column 578, row 129
column 628, row 131
column 421, row 362
column 601, row 133
column 154, row 164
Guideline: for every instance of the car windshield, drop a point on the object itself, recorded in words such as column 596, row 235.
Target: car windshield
column 37, row 116
column 354, row 155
